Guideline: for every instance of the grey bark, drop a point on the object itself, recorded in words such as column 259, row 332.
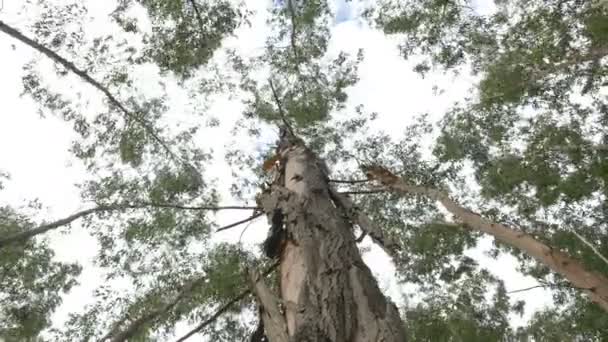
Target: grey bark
column 274, row 322
column 594, row 284
column 327, row 291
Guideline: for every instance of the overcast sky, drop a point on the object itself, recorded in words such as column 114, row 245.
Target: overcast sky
column 34, row 150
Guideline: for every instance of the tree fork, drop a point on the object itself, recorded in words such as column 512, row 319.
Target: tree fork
column 327, row 291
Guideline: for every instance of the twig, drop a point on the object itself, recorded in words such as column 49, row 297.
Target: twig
column 586, row 242
column 362, row 192
column 529, row 288
column 199, row 17
column 275, row 95
column 551, row 285
column 117, row 335
column 224, row 308
column 293, row 34
column 183, row 207
column 86, row 77
column 22, row 236
column 232, row 225
column 347, row 181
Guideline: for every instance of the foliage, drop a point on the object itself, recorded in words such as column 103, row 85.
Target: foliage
column 528, row 149
column 31, row 282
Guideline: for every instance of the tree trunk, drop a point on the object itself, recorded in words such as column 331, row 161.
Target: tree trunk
column 327, row 291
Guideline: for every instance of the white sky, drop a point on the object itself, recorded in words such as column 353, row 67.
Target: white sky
column 35, row 151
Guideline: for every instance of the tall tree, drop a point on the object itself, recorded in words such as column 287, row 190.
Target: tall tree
column 523, row 160
column 149, row 213
column 531, row 137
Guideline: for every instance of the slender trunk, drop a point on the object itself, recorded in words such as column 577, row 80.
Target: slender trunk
column 595, row 285
column 327, row 291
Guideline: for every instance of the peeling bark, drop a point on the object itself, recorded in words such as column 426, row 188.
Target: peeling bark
column 274, row 322
column 328, row 292
column 595, row 285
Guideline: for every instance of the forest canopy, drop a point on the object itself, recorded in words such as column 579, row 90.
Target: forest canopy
column 236, row 165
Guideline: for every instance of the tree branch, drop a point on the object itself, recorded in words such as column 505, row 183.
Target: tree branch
column 527, row 288
column 87, row 78
column 347, row 181
column 120, row 336
column 273, row 319
column 232, row 225
column 282, row 113
column 23, row 236
column 548, row 285
column 224, row 308
column 586, row 242
column 594, row 284
column 386, row 242
column 199, row 17
column 363, row 192
column 293, row 33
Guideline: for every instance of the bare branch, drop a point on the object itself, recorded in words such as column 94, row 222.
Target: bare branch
column 23, row 236
column 199, row 17
column 19, row 237
column 87, row 78
column 282, row 113
column 293, row 33
column 223, row 308
column 232, row 225
column 590, row 245
column 549, row 285
column 363, row 192
column 183, row 207
column 594, row 284
column 131, row 329
column 346, row 181
column 528, row 288
column 386, row 242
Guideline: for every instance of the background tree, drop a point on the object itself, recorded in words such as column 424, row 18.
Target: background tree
column 531, row 138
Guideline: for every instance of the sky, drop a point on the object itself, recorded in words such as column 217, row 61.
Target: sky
column 34, row 150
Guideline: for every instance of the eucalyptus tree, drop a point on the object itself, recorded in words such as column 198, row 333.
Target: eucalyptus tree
column 530, row 141
column 526, row 153
column 150, row 196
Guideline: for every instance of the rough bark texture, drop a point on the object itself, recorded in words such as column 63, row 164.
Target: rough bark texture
column 274, row 322
column 595, row 285
column 327, row 291
column 385, row 241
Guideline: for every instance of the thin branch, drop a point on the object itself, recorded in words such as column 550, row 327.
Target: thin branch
column 199, row 17
column 347, row 181
column 23, row 236
column 232, row 225
column 368, row 227
column 550, row 285
column 586, row 242
column 293, row 33
column 529, row 288
column 362, row 192
column 244, row 230
column 87, row 78
column 183, row 207
column 19, row 237
column 282, row 113
column 131, row 329
column 224, row 308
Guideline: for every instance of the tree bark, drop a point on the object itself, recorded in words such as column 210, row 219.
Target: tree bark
column 595, row 285
column 327, row 291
